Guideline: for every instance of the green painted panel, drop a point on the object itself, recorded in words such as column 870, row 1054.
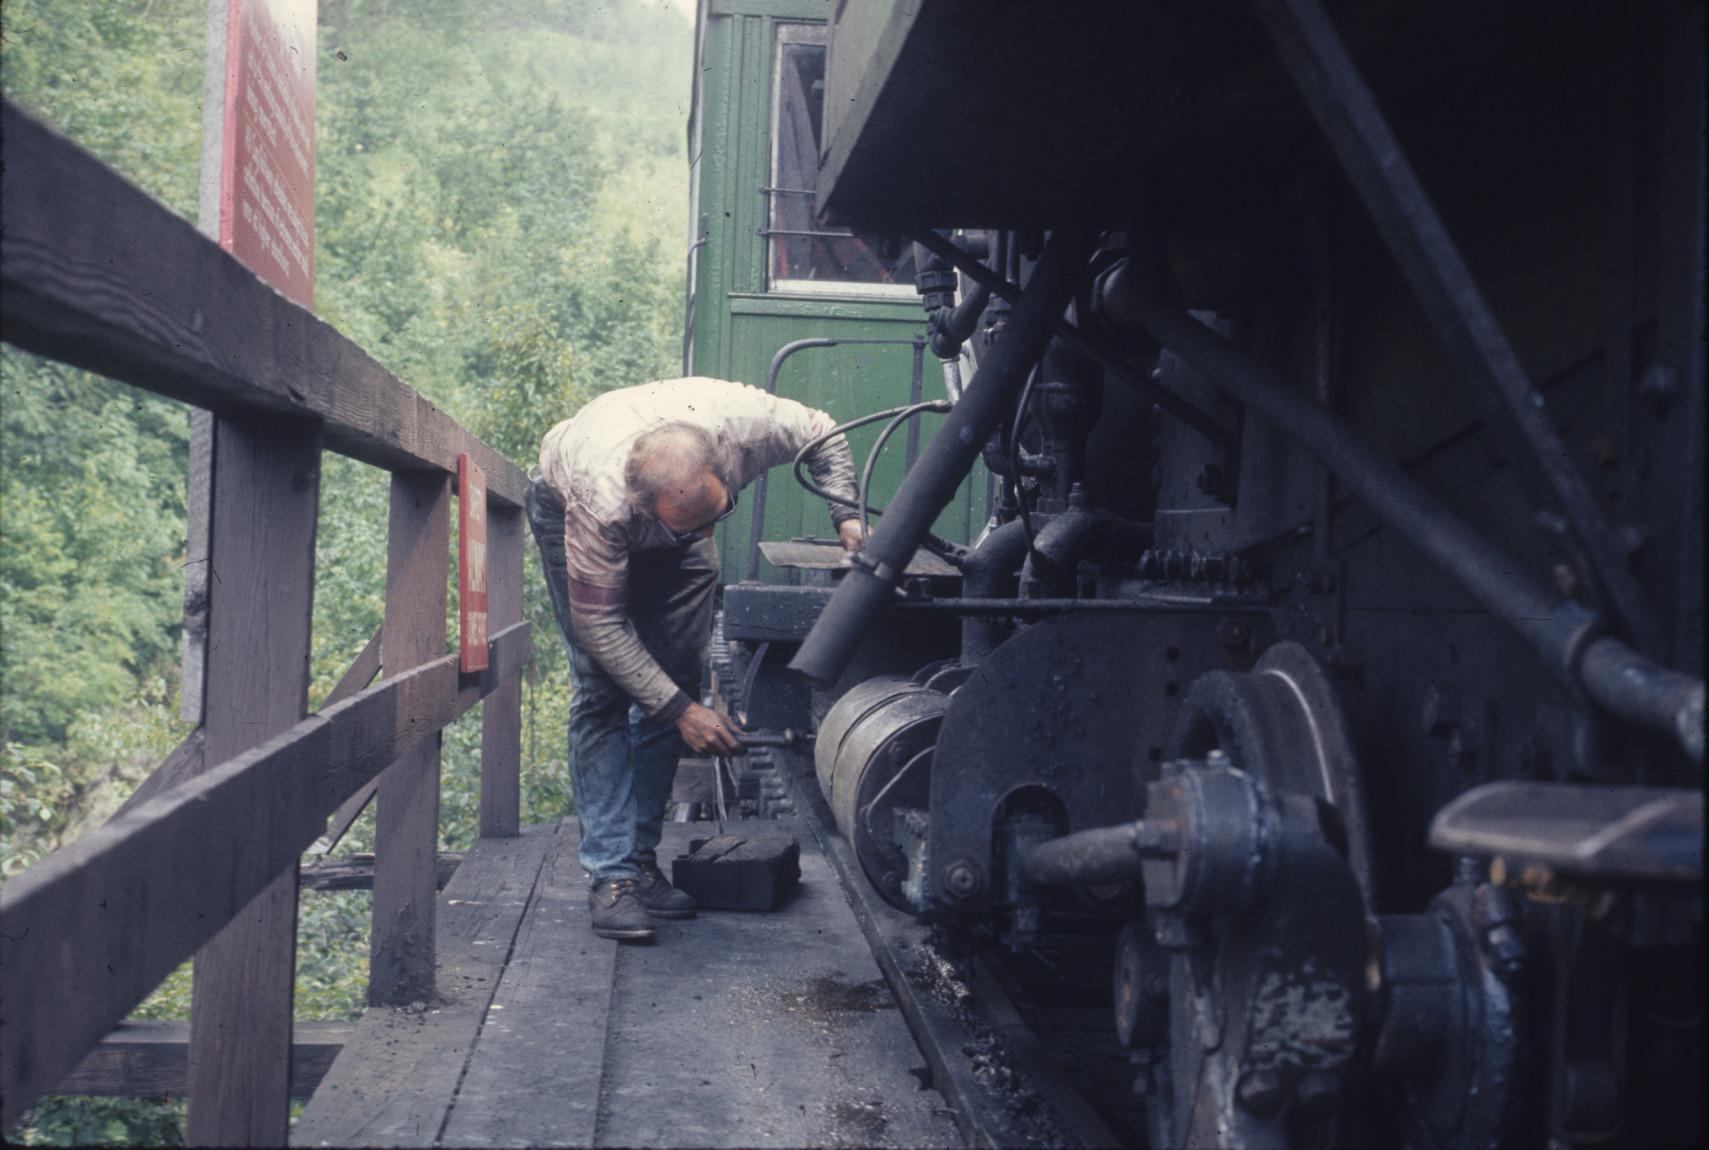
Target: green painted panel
column 738, row 326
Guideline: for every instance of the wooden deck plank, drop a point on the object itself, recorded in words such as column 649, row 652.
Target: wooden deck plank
column 152, row 1060
column 535, row 1077
column 767, row 1029
column 393, row 1084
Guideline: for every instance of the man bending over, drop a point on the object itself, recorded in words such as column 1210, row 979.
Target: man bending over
column 631, row 489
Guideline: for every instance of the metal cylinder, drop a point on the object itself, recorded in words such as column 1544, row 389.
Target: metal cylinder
column 874, row 733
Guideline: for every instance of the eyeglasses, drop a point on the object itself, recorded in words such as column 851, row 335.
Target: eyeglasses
column 692, row 534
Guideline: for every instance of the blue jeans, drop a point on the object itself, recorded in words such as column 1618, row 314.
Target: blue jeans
column 622, row 764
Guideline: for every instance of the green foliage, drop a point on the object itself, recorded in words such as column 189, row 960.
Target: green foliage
column 499, row 197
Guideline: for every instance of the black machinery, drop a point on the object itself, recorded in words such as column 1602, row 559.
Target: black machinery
column 1334, row 646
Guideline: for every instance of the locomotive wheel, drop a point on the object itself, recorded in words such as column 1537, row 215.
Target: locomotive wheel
column 1264, row 995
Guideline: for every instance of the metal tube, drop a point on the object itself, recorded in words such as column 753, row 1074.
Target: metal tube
column 869, row 586
column 1644, row 692
column 985, row 571
column 1031, row 607
column 1087, row 344
column 1558, row 628
column 915, row 390
column 1103, row 854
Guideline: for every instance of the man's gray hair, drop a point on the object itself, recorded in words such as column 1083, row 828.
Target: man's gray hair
column 670, row 458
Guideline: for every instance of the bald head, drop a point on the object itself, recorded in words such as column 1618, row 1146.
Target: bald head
column 673, row 476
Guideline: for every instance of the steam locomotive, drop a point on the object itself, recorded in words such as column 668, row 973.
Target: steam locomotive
column 1297, row 577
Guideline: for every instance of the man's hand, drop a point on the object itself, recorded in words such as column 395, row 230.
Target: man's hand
column 705, row 730
column 848, row 531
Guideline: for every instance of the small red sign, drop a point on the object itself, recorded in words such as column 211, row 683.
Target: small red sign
column 471, row 565
column 267, row 161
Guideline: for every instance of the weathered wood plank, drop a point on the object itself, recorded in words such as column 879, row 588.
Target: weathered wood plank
column 501, row 712
column 362, row 671
column 758, row 1029
column 406, row 830
column 263, row 508
column 97, row 274
column 394, row 1081
column 548, row 1040
column 152, row 1060
column 356, row 872
column 93, row 928
column 192, row 680
column 185, row 761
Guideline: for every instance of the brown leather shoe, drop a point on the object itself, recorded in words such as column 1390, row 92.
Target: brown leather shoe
column 618, row 912
column 661, row 899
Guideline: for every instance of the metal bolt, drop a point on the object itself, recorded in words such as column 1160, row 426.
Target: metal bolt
column 1232, row 634
column 961, row 879
column 1505, row 947
column 1261, row 1093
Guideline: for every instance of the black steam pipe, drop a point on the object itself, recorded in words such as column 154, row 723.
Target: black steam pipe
column 1074, row 534
column 1088, row 345
column 869, row 586
column 1562, row 631
column 985, row 573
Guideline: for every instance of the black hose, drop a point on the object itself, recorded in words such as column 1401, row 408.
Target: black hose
column 867, row 589
column 903, row 412
column 941, row 547
column 896, row 421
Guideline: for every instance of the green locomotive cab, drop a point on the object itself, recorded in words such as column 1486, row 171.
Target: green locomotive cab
column 775, row 297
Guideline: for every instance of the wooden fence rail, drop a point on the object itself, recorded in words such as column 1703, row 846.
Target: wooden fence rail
column 204, row 861
column 97, row 274
column 92, row 929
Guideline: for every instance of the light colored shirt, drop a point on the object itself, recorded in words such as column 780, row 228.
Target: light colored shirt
column 583, row 460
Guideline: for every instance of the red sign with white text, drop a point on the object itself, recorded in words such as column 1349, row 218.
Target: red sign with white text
column 267, row 165
column 471, row 565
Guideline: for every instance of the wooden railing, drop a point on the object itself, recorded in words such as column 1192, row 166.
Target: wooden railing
column 96, row 274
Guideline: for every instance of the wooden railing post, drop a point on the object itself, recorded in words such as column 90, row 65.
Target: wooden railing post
column 501, row 713
column 406, row 839
column 262, row 513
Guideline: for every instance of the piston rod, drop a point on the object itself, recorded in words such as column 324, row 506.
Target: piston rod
column 1102, row 854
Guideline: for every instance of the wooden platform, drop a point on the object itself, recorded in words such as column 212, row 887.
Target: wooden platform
column 730, row 1030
